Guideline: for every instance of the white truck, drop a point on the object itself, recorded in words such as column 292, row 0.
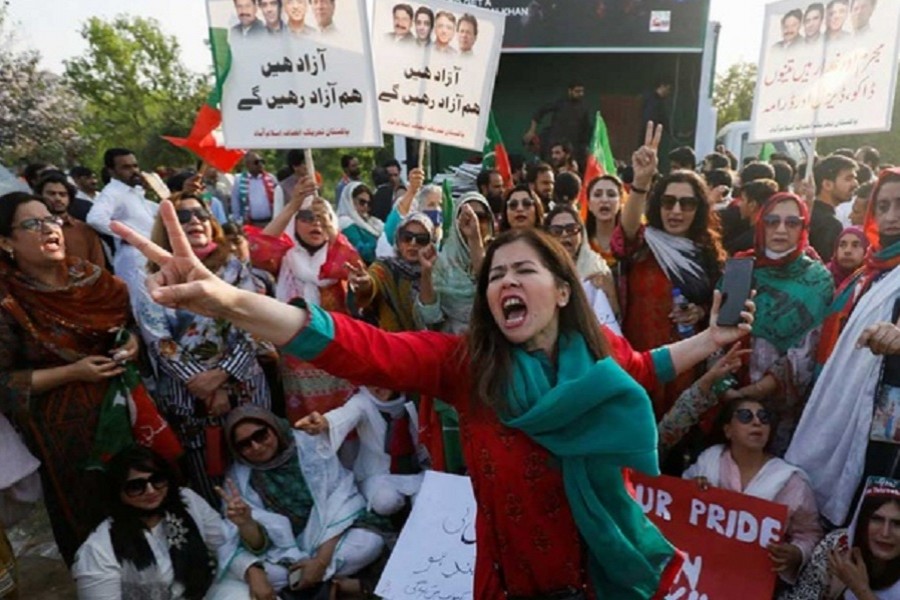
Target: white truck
column 736, row 137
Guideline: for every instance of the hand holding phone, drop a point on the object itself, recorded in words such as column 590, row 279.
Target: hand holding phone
column 736, row 285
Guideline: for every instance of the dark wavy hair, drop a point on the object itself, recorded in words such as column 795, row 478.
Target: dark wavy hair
column 591, row 221
column 127, row 528
column 490, row 353
column 727, row 413
column 704, row 230
column 160, row 236
column 538, row 207
column 891, row 573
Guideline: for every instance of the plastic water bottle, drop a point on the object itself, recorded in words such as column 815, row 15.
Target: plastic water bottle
column 679, row 302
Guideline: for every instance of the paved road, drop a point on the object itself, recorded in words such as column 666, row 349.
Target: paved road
column 42, row 573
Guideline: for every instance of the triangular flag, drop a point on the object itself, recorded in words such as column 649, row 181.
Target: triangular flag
column 600, row 161
column 495, row 154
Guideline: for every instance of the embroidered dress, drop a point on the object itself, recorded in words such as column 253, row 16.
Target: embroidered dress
column 525, row 527
column 183, row 345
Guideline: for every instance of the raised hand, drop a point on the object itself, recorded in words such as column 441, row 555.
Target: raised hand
column 313, row 424
column 645, row 160
column 303, row 189
column 416, row 180
column 236, row 510
column 359, row 279
column 182, row 280
column 722, row 335
column 468, row 223
column 427, row 257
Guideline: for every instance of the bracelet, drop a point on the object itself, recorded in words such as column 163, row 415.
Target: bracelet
column 637, row 190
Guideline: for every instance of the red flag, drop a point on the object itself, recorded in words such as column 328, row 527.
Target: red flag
column 599, row 162
column 495, row 155
column 202, row 141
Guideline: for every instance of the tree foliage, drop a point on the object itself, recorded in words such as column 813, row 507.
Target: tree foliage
column 733, row 93
column 135, row 88
column 40, row 116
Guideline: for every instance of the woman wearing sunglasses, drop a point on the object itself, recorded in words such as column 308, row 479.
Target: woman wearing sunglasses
column 678, row 247
column 59, row 318
column 521, row 210
column 159, row 541
column 389, row 289
column 793, row 292
column 206, row 367
column 306, row 506
column 744, row 464
column 564, row 223
column 361, row 228
column 315, row 269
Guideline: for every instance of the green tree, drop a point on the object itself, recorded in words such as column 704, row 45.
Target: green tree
column 733, row 93
column 135, row 88
column 40, row 116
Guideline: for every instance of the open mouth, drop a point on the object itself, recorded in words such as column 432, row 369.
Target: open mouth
column 514, row 312
column 52, row 243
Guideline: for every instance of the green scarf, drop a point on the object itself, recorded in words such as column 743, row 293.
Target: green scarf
column 597, row 420
column 791, row 300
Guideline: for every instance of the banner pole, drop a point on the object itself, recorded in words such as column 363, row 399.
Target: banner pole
column 310, row 165
column 422, row 145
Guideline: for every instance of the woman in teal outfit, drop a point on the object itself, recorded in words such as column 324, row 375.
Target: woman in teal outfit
column 360, row 228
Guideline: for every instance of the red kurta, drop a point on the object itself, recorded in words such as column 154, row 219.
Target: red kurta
column 524, row 526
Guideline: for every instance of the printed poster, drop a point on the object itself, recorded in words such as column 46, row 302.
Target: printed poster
column 435, row 65
column 294, row 73
column 826, row 69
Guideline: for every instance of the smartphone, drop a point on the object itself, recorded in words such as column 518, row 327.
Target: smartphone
column 736, row 284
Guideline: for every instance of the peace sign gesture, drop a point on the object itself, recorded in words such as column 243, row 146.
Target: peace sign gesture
column 182, row 281
column 359, row 279
column 645, row 160
column 236, row 510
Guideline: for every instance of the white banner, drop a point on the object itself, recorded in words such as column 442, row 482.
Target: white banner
column 435, row 554
column 435, row 65
column 299, row 73
column 826, row 69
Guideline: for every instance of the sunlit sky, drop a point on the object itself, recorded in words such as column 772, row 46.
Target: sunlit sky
column 53, row 26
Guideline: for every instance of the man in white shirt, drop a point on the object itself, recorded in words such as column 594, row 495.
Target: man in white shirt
column 253, row 194
column 85, row 183
column 122, row 199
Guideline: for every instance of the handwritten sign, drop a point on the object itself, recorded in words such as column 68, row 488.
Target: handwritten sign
column 435, row 65
column 435, row 554
column 294, row 74
column 713, row 528
column 826, row 72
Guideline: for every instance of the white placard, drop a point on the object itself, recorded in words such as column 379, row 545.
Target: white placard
column 435, row 82
column 299, row 74
column 832, row 75
column 435, row 554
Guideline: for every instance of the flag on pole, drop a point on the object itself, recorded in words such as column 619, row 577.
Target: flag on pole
column 447, row 216
column 600, row 161
column 205, row 139
column 495, row 154
column 766, row 152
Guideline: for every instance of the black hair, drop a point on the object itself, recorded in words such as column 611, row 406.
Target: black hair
column 566, row 188
column 346, row 159
column 830, row 167
column 424, row 10
column 757, row 170
column 784, row 157
column 176, row 182
column 784, row 175
column 467, row 18
column 864, row 173
column 759, row 191
column 718, row 177
column 848, row 152
column 295, row 158
column 891, row 573
column 870, row 156
column 817, row 6
column 392, row 162
column 109, row 157
column 565, row 144
column 80, row 171
column 55, row 177
column 405, row 8
column 484, row 178
column 684, row 156
column 716, row 160
column 796, row 13
column 9, row 204
column 533, row 170
column 516, row 161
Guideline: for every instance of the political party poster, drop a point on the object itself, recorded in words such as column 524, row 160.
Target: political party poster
column 294, row 73
column 826, row 69
column 435, row 65
column 435, row 554
column 723, row 534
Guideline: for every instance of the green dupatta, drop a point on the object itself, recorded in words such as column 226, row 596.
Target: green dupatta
column 597, row 420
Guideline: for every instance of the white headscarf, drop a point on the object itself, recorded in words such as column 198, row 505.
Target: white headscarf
column 348, row 215
column 299, row 274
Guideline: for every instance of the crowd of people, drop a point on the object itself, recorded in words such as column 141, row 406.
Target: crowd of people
column 308, row 356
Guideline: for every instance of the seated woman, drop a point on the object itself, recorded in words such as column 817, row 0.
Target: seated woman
column 59, row 318
column 361, row 228
column 207, row 366
column 390, row 287
column 160, row 540
column 742, row 464
column 305, row 502
column 849, row 254
column 522, row 209
column 389, row 462
column 862, row 562
column 793, row 291
column 564, row 223
column 315, row 269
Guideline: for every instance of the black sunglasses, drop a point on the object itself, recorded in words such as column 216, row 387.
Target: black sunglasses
column 421, row 239
column 790, row 222
column 687, row 203
column 745, row 416
column 136, row 487
column 526, row 203
column 186, row 214
column 567, row 229
column 258, row 437
column 308, row 216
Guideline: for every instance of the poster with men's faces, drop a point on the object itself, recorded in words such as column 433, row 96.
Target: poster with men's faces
column 826, row 68
column 435, row 65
